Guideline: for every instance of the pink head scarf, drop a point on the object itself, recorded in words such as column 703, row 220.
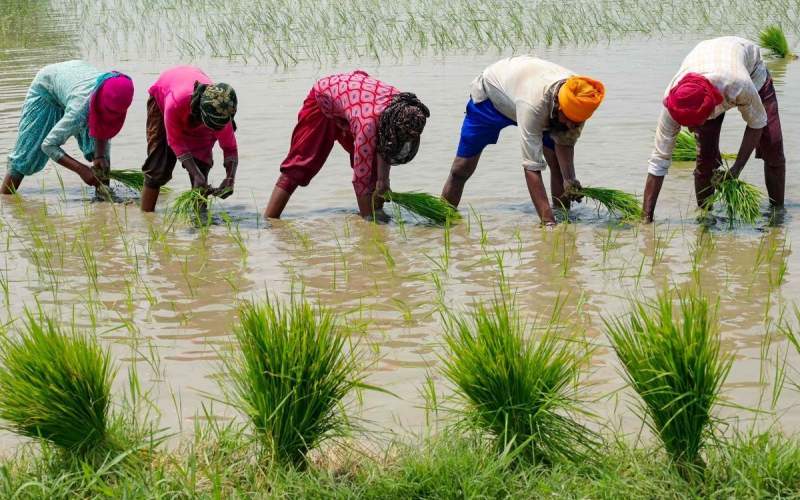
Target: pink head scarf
column 109, row 105
column 692, row 100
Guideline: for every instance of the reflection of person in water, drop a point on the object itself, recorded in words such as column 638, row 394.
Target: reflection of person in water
column 549, row 105
column 69, row 99
column 375, row 123
column 718, row 75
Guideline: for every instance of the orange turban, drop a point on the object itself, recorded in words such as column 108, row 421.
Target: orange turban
column 579, row 97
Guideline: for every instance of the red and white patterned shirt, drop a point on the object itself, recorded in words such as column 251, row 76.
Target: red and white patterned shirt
column 359, row 100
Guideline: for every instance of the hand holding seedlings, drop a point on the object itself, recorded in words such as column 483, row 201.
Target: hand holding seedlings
column 572, row 190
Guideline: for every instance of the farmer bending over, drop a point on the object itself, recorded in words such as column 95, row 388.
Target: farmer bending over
column 375, row 123
column 549, row 104
column 717, row 75
column 186, row 114
column 69, row 99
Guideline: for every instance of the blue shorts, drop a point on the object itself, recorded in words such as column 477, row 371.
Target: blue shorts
column 482, row 126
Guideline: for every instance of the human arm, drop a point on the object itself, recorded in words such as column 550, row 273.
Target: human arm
column 69, row 125
column 230, row 151
column 101, row 167
column 752, row 109
column 652, row 188
column 198, row 180
column 566, row 163
column 533, row 179
column 750, row 140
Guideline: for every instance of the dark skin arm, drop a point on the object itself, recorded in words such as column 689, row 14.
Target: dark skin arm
column 225, row 188
column 374, row 201
column 83, row 171
column 652, row 188
column 566, row 162
column 196, row 177
column 750, row 140
column 539, row 197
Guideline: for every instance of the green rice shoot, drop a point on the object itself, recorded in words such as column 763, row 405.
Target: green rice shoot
column 774, row 40
column 521, row 391
column 617, row 202
column 686, row 148
column 424, row 206
column 672, row 359
column 191, row 207
column 741, row 199
column 55, row 385
column 293, row 371
column 133, row 179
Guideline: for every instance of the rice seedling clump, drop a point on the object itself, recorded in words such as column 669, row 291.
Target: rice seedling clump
column 425, row 206
column 741, row 199
column 686, row 148
column 192, row 206
column 292, row 375
column 672, row 360
column 134, row 179
column 617, row 202
column 55, row 385
column 773, row 39
column 520, row 391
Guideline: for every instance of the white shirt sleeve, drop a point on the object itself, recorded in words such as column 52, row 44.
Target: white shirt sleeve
column 666, row 136
column 750, row 106
column 529, row 121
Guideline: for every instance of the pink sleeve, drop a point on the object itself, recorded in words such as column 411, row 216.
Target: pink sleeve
column 364, row 150
column 227, row 141
column 174, row 128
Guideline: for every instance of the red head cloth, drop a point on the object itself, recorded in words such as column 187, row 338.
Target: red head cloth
column 692, row 100
column 109, row 105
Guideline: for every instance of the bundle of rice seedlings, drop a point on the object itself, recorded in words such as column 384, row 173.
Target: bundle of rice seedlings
column 773, row 39
column 520, row 391
column 673, row 361
column 56, row 386
column 686, row 148
column 294, row 369
column 192, row 206
column 615, row 201
column 742, row 200
column 425, row 206
column 133, row 179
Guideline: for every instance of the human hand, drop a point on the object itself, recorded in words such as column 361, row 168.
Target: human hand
column 572, row 190
column 225, row 188
column 381, row 188
column 88, row 176
column 101, row 169
column 721, row 175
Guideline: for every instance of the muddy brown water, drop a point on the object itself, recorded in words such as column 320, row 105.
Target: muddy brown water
column 172, row 295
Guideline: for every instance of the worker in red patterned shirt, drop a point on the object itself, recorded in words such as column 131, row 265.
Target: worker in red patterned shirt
column 375, row 123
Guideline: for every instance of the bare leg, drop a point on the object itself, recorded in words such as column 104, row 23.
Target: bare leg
column 149, row 198
column 460, row 172
column 11, row 183
column 556, row 180
column 277, row 202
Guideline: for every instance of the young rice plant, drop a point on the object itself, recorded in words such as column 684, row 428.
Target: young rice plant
column 741, row 199
column 774, row 40
column 424, row 206
column 55, row 385
column 294, row 370
column 686, row 148
column 672, row 360
column 615, row 201
column 522, row 392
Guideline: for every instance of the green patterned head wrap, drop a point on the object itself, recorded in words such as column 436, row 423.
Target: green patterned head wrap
column 214, row 105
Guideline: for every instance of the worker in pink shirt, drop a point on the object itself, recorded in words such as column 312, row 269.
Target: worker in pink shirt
column 186, row 114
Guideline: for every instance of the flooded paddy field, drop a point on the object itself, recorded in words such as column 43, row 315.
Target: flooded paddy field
column 164, row 297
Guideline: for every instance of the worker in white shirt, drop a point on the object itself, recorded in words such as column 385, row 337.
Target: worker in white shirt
column 718, row 75
column 549, row 104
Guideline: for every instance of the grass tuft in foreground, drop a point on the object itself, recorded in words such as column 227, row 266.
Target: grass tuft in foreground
column 672, row 359
column 294, row 370
column 741, row 199
column 774, row 40
column 432, row 209
column 520, row 391
column 617, row 202
column 55, row 385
